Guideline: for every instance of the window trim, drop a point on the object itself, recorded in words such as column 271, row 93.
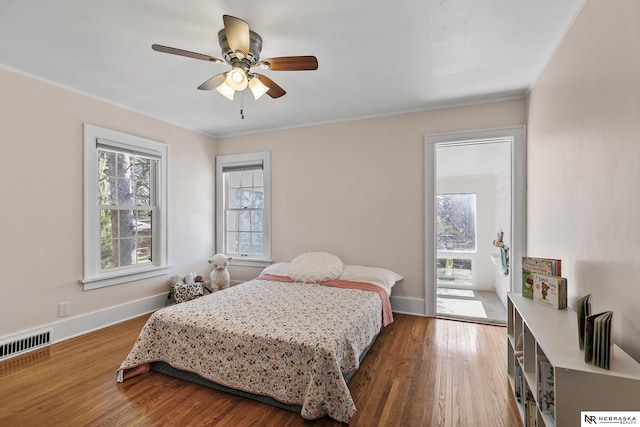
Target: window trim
column 93, row 277
column 237, row 160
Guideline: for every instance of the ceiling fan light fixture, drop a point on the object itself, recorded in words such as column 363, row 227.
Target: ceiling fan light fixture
column 237, row 79
column 225, row 90
column 257, row 88
column 241, row 49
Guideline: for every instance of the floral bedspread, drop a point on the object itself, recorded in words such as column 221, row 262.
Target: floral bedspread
column 290, row 341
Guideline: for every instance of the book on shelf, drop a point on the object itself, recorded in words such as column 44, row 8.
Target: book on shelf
column 519, row 383
column 530, row 265
column 602, row 340
column 532, row 415
column 540, row 360
column 545, row 379
column 583, row 309
column 531, row 411
column 597, row 339
column 550, row 290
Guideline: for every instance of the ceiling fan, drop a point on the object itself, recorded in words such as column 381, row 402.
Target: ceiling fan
column 241, row 49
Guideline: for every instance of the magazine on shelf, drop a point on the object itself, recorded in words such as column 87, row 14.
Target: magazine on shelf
column 550, row 290
column 583, row 309
column 530, row 265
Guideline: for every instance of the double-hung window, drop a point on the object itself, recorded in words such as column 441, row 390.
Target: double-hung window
column 124, row 208
column 243, row 194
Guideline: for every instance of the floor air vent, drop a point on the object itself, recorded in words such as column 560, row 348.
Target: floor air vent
column 24, row 343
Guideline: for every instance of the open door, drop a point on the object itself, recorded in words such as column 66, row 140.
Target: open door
column 466, row 206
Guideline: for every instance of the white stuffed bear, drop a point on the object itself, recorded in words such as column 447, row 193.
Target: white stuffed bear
column 219, row 276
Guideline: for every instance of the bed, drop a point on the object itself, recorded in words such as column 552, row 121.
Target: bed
column 290, row 336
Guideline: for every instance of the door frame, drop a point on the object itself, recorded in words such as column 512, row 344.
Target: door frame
column 514, row 135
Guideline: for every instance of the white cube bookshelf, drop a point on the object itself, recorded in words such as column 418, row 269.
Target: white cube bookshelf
column 577, row 385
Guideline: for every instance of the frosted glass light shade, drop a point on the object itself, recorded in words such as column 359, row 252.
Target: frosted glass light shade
column 237, row 79
column 257, row 88
column 226, row 91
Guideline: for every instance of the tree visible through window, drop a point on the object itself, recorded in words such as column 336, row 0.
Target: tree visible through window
column 126, row 208
column 456, row 222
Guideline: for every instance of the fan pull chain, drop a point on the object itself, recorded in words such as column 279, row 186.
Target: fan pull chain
column 242, row 104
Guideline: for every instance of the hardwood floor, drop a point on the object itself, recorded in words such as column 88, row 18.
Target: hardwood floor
column 419, row 372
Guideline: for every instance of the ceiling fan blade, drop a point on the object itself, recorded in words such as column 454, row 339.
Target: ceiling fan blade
column 213, row 82
column 181, row 52
column 290, row 63
column 274, row 91
column 237, row 32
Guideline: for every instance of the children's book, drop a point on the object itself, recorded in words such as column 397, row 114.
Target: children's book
column 588, row 337
column 602, row 340
column 597, row 337
column 583, row 309
column 546, row 380
column 550, row 267
column 550, row 290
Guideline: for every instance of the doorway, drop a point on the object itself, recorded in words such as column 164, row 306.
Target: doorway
column 474, row 223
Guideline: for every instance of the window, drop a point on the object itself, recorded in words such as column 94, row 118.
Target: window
column 456, row 222
column 243, row 207
column 124, row 208
column 456, row 238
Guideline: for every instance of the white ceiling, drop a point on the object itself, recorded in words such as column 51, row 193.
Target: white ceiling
column 376, row 57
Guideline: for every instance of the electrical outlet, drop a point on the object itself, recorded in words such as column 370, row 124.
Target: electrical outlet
column 64, row 309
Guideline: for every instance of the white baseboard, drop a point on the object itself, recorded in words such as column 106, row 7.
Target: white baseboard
column 80, row 325
column 405, row 305
column 85, row 323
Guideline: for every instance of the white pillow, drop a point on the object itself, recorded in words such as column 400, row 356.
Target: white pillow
column 376, row 275
column 277, row 269
column 314, row 267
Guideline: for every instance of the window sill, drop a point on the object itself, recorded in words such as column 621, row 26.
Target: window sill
column 90, row 283
column 249, row 262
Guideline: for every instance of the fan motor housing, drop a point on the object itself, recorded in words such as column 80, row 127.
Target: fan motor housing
column 255, row 47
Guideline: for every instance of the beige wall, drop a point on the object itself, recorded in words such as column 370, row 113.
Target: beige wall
column 356, row 189
column 583, row 162
column 41, row 212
